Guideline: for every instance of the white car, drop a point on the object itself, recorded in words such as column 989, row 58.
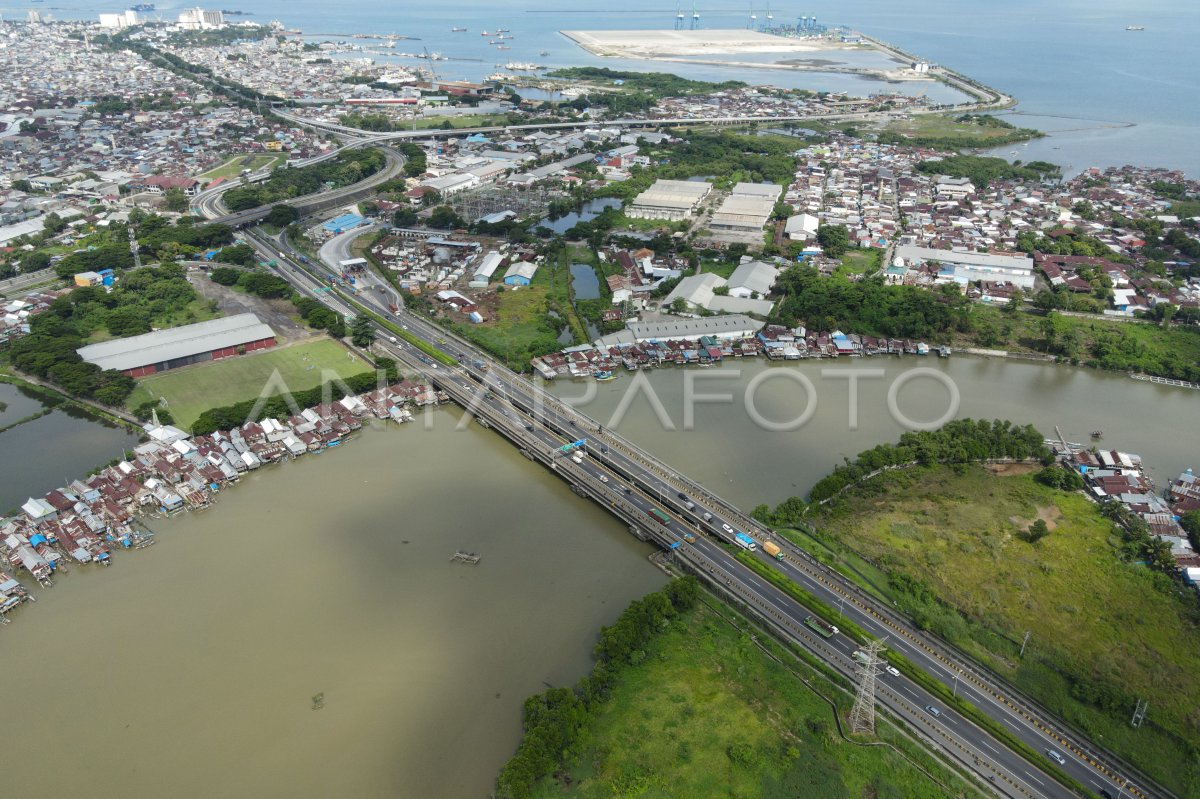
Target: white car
column 891, row 670
column 727, row 528
column 603, row 478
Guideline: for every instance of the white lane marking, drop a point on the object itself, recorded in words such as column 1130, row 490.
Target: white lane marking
column 1035, row 779
column 989, row 746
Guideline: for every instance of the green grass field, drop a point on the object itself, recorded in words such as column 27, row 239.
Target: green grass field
column 1095, row 620
column 857, row 262
column 462, row 120
column 708, row 713
column 194, row 389
column 234, row 166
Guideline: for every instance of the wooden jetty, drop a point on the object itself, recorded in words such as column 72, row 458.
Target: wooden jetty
column 469, row 558
column 1165, row 381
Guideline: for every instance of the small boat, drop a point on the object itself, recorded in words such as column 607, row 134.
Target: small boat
column 1135, row 27
column 458, row 30
column 603, row 375
column 544, row 53
column 1097, row 434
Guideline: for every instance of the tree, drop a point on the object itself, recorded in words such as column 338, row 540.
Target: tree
column 281, row 215
column 404, row 217
column 128, row 322
column 176, row 200
column 242, row 254
column 445, row 217
column 35, row 261
column 225, row 276
column 1037, row 531
column 361, row 332
column 834, row 239
column 1014, row 303
column 1190, row 522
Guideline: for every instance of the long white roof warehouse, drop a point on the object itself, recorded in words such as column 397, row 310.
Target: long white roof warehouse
column 179, row 346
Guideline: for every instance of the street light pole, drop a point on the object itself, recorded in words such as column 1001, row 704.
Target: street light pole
column 1122, row 788
column 955, row 691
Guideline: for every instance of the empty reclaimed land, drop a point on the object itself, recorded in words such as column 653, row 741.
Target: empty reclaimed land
column 949, row 545
column 191, row 390
column 708, row 709
column 721, row 47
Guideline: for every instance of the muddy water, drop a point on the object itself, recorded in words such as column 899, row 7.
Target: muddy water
column 190, row 669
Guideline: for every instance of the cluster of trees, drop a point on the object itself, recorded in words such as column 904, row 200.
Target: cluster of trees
column 157, row 236
column 1066, row 243
column 268, row 286
column 130, row 309
column 108, row 256
column 869, row 306
column 959, row 441
column 660, row 84
column 346, row 168
column 554, row 720
column 982, row 170
column 228, row 417
column 1137, row 544
column 1062, row 479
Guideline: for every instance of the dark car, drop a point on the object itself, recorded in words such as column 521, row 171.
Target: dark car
column 528, row 427
column 682, row 495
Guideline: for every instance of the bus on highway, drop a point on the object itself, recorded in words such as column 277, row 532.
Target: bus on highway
column 659, row 516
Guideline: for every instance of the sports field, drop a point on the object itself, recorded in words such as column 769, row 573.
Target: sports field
column 191, row 390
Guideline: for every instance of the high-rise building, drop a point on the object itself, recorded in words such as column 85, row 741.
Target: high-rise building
column 200, row 19
column 124, row 19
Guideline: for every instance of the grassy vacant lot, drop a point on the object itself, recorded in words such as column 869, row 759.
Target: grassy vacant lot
column 519, row 324
column 1099, row 342
column 234, row 166
column 462, row 121
column 1096, row 621
column 939, row 126
column 709, row 714
column 194, row 389
column 858, row 262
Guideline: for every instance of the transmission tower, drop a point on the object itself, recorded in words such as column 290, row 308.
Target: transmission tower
column 1139, row 713
column 862, row 715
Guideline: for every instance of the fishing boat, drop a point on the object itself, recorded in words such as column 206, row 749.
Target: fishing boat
column 485, row 33
column 458, row 30
column 603, row 375
column 1135, row 27
column 544, row 53
column 1097, row 434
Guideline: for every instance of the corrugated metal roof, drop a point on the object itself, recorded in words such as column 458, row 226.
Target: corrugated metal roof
column 178, row 342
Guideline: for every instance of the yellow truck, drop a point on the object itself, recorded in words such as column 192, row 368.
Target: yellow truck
column 772, row 549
